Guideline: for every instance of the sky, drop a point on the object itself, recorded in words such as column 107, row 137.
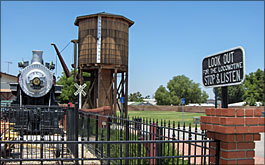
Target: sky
column 167, row 39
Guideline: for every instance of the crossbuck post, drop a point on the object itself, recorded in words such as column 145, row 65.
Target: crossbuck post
column 80, row 91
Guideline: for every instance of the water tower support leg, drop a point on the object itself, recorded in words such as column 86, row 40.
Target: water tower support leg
column 115, row 92
column 98, row 91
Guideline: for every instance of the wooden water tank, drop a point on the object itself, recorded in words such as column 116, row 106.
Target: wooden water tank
column 113, row 47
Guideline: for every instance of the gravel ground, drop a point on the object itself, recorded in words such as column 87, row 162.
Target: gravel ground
column 31, row 151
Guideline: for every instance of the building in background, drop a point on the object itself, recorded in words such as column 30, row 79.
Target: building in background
column 5, row 92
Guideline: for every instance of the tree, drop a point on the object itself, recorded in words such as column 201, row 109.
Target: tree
column 136, row 97
column 254, row 87
column 180, row 87
column 69, row 89
column 235, row 93
column 147, row 97
column 162, row 96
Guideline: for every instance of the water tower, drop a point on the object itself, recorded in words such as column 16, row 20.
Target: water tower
column 103, row 52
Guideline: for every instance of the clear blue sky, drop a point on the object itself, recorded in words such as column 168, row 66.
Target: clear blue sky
column 167, row 39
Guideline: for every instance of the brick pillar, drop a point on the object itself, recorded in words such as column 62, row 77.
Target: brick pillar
column 237, row 129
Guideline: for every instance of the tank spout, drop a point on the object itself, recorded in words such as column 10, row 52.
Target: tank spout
column 66, row 71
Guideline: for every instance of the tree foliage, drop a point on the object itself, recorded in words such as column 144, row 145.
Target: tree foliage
column 69, row 89
column 251, row 91
column 177, row 88
column 254, row 87
column 235, row 93
column 136, row 97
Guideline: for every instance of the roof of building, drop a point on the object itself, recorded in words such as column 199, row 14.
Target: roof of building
column 6, row 74
column 103, row 14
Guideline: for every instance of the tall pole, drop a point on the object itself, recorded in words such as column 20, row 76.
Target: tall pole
column 8, row 62
column 216, row 94
column 75, row 54
column 224, row 97
column 182, row 115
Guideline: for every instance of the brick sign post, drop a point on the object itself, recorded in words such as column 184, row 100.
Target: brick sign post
column 237, row 129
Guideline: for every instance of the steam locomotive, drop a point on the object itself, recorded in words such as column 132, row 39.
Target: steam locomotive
column 36, row 83
column 37, row 93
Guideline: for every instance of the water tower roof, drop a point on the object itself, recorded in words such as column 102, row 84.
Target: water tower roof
column 103, row 14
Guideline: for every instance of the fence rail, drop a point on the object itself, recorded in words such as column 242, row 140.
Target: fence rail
column 88, row 137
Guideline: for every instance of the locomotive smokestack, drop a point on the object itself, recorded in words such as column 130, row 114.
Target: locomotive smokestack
column 37, row 56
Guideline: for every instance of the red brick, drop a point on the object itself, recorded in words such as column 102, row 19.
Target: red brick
column 227, row 146
column 240, row 112
column 227, row 129
column 249, row 112
column 210, row 134
column 208, row 111
column 261, row 120
column 224, row 129
column 239, row 138
column 239, row 121
column 213, row 112
column 215, row 120
column 209, row 127
column 251, row 120
column 262, row 128
column 212, row 151
column 212, row 160
column 248, row 138
column 228, row 112
column 250, row 154
column 222, row 161
column 226, row 121
column 226, row 138
column 232, row 154
column 231, row 121
column 242, row 129
column 216, row 128
column 218, row 112
column 212, row 144
column 246, row 145
column 245, row 161
column 258, row 112
column 203, row 126
column 205, row 119
column 256, row 129
column 256, row 137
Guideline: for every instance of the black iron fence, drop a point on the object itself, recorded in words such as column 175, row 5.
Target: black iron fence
column 86, row 138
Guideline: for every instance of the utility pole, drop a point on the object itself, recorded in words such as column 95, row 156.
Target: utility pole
column 8, row 62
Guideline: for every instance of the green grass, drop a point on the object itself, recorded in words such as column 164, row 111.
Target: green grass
column 166, row 115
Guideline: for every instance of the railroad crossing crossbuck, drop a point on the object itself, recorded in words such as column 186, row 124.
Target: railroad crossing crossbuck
column 80, row 88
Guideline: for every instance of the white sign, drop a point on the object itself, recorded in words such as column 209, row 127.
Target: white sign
column 80, row 89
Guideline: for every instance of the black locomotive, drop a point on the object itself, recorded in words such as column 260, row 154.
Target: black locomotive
column 35, row 108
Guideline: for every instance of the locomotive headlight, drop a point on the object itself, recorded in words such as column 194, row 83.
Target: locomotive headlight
column 36, row 81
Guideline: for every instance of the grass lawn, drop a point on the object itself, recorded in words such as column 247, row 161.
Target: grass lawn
column 166, row 115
